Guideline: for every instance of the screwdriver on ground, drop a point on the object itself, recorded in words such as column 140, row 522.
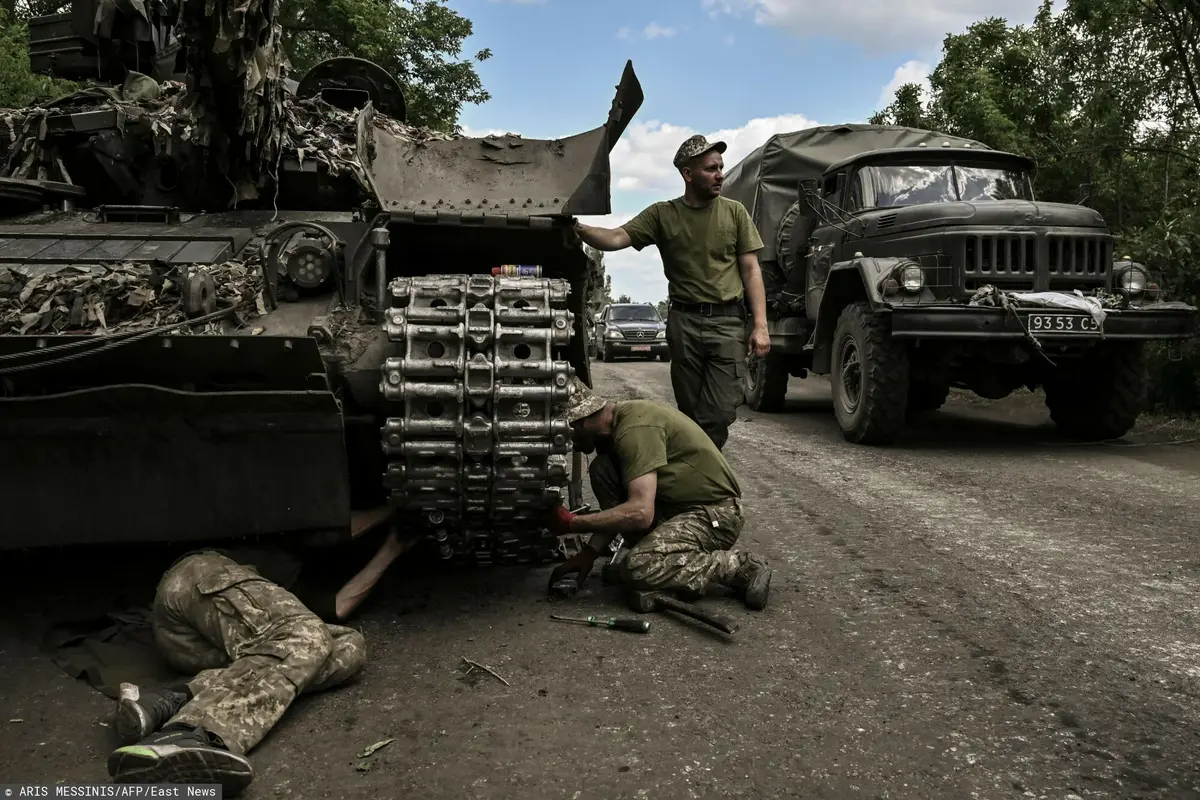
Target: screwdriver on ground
column 617, row 623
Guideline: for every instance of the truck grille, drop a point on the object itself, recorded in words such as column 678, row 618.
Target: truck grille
column 640, row 334
column 1001, row 255
column 1078, row 256
column 1027, row 261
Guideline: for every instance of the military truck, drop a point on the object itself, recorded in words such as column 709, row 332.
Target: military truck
column 903, row 262
column 195, row 344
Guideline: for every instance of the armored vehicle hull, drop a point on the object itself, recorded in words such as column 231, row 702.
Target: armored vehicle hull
column 348, row 345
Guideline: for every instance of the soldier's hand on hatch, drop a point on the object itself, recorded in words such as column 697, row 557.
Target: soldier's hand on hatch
column 760, row 341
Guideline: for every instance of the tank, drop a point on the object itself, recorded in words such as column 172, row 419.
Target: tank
column 237, row 305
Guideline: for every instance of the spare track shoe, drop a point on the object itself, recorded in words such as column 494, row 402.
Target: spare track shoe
column 475, row 455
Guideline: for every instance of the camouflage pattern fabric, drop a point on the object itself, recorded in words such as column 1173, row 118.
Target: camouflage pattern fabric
column 683, row 553
column 254, row 644
column 708, row 369
column 694, row 146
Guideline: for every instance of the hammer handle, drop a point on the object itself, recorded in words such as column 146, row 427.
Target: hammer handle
column 695, row 612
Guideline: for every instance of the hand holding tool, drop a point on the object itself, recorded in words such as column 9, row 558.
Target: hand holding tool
column 616, row 623
column 645, row 602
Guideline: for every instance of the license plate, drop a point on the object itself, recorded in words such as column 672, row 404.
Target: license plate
column 640, row 348
column 1062, row 323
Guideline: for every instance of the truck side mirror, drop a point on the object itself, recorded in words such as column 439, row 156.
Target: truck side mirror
column 1085, row 191
column 806, row 189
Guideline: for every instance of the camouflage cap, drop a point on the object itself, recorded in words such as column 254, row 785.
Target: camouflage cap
column 695, row 146
column 582, row 402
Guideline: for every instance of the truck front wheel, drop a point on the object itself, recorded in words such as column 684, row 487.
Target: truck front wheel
column 1102, row 396
column 869, row 377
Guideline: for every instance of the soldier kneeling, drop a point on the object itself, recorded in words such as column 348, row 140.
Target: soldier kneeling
column 253, row 647
column 659, row 477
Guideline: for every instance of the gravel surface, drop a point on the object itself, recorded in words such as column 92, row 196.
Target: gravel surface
column 981, row 610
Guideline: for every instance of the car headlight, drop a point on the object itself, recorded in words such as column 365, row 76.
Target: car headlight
column 912, row 278
column 1133, row 280
column 612, row 334
column 661, row 335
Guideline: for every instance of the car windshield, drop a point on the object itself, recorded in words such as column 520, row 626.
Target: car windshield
column 633, row 314
column 881, row 187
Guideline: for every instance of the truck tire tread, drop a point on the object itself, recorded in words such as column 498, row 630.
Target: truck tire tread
column 884, row 402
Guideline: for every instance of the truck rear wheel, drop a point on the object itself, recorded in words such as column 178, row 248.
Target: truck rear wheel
column 1102, row 396
column 766, row 383
column 869, row 377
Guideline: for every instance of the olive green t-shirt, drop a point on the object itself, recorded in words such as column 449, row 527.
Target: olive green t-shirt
column 649, row 437
column 699, row 246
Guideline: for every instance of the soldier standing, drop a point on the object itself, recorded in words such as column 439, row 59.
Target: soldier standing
column 709, row 251
column 666, row 488
column 253, row 647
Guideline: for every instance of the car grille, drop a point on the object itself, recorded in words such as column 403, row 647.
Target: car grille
column 640, row 334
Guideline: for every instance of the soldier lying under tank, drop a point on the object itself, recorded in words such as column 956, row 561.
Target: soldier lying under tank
column 664, row 486
column 253, row 647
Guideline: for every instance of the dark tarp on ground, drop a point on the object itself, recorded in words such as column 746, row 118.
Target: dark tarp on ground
column 765, row 181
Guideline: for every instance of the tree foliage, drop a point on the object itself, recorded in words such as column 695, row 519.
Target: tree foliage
column 1104, row 95
column 418, row 41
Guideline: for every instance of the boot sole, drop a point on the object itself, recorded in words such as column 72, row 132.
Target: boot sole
column 132, row 723
column 758, row 591
column 171, row 764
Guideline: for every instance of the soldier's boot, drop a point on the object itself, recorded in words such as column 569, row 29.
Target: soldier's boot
column 753, row 581
column 141, row 713
column 181, row 754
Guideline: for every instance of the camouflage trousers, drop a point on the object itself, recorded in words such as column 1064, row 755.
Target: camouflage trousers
column 254, row 645
column 708, row 369
column 686, row 552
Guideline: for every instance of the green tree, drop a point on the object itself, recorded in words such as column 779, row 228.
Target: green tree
column 663, row 306
column 19, row 87
column 418, row 41
column 624, row 299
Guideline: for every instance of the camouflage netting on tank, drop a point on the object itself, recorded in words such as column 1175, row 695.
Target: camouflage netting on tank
column 100, row 299
column 313, row 130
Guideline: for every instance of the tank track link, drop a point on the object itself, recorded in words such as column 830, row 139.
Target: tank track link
column 475, row 456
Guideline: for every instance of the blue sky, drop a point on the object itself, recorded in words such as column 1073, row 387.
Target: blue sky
column 740, row 69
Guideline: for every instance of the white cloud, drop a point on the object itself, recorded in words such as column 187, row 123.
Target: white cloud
column 642, row 158
column 651, row 31
column 479, row 133
column 878, row 25
column 909, row 72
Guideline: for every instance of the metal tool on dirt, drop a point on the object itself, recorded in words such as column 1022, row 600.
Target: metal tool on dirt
column 616, row 623
column 645, row 602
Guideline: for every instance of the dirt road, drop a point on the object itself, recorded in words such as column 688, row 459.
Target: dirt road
column 979, row 611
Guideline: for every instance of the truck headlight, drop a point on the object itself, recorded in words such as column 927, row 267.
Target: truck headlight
column 1132, row 279
column 912, row 278
column 661, row 335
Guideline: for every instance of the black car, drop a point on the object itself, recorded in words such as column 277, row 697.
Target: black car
column 630, row 330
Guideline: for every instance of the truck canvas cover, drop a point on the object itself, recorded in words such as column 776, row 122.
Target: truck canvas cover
column 765, row 181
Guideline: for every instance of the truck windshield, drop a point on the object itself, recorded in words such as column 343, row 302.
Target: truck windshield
column 882, row 186
column 633, row 314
